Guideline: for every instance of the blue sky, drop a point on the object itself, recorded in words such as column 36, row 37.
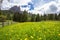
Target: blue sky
column 34, row 6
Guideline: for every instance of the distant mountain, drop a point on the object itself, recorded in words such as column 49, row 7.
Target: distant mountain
column 15, row 9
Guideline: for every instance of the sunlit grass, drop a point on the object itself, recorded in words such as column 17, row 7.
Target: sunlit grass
column 49, row 30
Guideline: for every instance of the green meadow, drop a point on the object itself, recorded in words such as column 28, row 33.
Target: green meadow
column 44, row 30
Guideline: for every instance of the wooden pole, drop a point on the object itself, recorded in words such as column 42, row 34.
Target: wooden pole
column 2, row 24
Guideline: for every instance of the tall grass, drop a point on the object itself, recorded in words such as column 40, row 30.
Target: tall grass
column 49, row 30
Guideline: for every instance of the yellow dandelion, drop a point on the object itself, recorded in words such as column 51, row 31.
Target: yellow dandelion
column 10, row 39
column 39, row 30
column 59, row 34
column 11, row 30
column 32, row 37
column 26, row 39
column 32, row 28
column 40, row 38
column 20, row 39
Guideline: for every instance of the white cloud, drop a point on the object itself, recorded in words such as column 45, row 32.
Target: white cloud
column 42, row 9
column 27, row 8
column 21, row 2
column 6, row 4
column 45, row 8
column 39, row 5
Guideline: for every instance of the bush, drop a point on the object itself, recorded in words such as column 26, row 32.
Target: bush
column 2, row 18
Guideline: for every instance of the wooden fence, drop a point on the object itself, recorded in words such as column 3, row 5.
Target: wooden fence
column 2, row 24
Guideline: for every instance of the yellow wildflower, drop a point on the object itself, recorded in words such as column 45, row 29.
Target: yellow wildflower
column 20, row 39
column 59, row 34
column 39, row 31
column 11, row 30
column 26, row 39
column 32, row 37
column 40, row 38
column 10, row 39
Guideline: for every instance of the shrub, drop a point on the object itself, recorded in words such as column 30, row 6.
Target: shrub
column 2, row 18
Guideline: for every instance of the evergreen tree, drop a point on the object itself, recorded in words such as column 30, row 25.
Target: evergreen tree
column 20, row 17
column 51, row 16
column 45, row 17
column 25, row 16
column 16, row 17
column 59, row 16
column 8, row 16
column 0, row 12
column 33, row 18
column 56, row 17
column 37, row 18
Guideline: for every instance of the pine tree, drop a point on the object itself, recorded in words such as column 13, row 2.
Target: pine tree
column 56, row 17
column 51, row 16
column 8, row 16
column 25, row 16
column 33, row 18
column 37, row 18
column 59, row 17
column 20, row 17
column 45, row 17
column 16, row 17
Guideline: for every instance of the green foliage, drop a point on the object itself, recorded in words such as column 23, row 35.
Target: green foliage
column 0, row 12
column 33, row 18
column 59, row 16
column 38, row 18
column 25, row 16
column 7, row 13
column 8, row 16
column 2, row 18
column 56, row 17
column 21, row 17
column 45, row 17
column 17, row 17
column 50, row 16
column 48, row 30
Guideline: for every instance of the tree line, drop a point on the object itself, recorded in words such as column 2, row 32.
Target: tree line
column 6, row 15
column 29, row 17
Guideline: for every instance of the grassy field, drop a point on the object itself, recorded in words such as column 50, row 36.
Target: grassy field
column 48, row 30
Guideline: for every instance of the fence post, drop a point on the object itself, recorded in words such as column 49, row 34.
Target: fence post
column 2, row 24
column 11, row 22
column 8, row 23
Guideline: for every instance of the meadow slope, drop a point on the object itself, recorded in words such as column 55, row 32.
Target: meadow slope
column 48, row 30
